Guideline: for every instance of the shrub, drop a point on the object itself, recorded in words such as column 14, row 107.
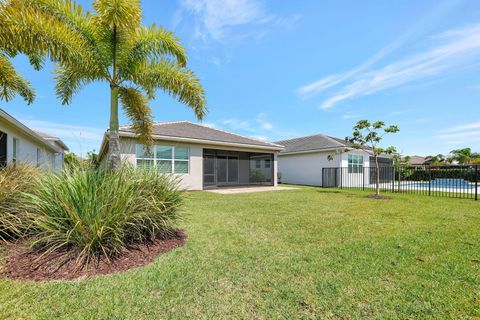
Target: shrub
column 95, row 213
column 13, row 182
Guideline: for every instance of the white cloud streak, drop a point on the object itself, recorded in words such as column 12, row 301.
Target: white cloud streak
column 330, row 81
column 456, row 48
column 213, row 19
column 463, row 134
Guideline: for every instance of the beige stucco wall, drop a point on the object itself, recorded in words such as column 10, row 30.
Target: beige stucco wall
column 27, row 149
column 194, row 179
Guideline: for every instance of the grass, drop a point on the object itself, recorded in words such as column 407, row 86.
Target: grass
column 307, row 253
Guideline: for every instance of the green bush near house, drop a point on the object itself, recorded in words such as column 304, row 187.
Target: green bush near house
column 13, row 182
column 94, row 213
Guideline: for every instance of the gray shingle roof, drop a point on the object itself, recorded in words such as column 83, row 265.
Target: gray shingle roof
column 52, row 139
column 186, row 129
column 312, row 143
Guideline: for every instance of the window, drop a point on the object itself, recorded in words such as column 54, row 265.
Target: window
column 267, row 163
column 145, row 158
column 258, row 163
column 15, row 150
column 355, row 163
column 167, row 159
column 39, row 156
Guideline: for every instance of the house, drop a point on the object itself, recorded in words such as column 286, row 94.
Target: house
column 417, row 160
column 202, row 157
column 21, row 145
column 315, row 160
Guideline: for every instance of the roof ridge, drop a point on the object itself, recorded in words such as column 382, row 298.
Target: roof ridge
column 333, row 139
column 303, row 137
column 235, row 134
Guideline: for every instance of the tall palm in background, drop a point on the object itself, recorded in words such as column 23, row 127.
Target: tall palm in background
column 109, row 45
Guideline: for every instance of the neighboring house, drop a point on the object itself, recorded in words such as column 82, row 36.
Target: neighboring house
column 417, row 161
column 303, row 159
column 202, row 157
column 21, row 145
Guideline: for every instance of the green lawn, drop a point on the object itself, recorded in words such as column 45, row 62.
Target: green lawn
column 307, row 253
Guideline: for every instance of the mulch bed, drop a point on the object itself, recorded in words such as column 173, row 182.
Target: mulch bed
column 20, row 263
column 379, row 197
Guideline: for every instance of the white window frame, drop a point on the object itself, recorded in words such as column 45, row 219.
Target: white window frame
column 156, row 161
column 15, row 149
column 355, row 167
column 38, row 157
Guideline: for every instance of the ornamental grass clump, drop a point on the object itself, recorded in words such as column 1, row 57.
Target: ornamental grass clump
column 93, row 213
column 14, row 181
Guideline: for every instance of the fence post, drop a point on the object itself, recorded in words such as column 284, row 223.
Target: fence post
column 363, row 178
column 323, row 177
column 399, row 178
column 476, row 182
column 429, row 181
column 341, row 177
column 393, row 179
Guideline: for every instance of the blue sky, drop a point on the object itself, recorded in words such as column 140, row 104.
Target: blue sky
column 281, row 69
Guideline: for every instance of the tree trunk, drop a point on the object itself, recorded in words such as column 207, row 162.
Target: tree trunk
column 114, row 138
column 377, row 182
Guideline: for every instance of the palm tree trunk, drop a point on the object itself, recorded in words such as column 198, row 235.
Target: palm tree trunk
column 377, row 184
column 114, row 138
column 114, row 141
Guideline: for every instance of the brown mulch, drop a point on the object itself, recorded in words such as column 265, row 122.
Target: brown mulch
column 379, row 197
column 21, row 263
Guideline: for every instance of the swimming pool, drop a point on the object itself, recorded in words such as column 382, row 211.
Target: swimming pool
column 443, row 184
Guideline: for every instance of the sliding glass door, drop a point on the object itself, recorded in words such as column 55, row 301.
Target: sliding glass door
column 227, row 170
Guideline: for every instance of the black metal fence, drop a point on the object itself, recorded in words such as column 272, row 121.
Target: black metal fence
column 441, row 181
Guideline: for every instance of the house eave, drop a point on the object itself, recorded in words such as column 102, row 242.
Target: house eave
column 29, row 132
column 273, row 148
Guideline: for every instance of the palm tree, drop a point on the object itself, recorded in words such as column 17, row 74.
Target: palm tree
column 439, row 159
column 110, row 45
column 462, row 156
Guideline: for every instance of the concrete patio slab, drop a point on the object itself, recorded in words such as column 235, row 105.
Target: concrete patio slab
column 249, row 189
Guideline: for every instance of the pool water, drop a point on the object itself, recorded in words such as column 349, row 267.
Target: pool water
column 447, row 183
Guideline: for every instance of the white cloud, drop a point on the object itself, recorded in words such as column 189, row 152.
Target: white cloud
column 463, row 134
column 236, row 124
column 455, row 48
column 213, row 19
column 80, row 139
column 414, row 31
column 462, row 127
column 349, row 116
column 262, row 122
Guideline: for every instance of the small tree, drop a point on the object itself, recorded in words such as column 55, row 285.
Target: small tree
column 367, row 136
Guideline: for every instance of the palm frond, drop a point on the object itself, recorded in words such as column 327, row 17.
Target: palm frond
column 44, row 27
column 123, row 14
column 12, row 83
column 70, row 80
column 151, row 43
column 181, row 83
column 37, row 61
column 136, row 107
